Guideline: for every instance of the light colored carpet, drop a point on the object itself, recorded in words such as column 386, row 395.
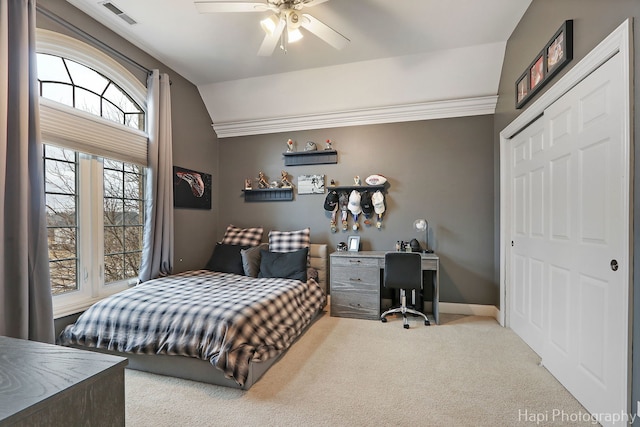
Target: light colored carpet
column 468, row 371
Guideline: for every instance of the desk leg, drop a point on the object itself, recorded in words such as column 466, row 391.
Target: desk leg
column 436, row 294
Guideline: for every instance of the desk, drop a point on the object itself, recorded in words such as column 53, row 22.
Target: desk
column 355, row 283
column 48, row 385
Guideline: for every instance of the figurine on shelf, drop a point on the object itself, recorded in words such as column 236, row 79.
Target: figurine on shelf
column 262, row 180
column 329, row 145
column 311, row 146
column 332, row 183
column 289, row 146
column 356, row 180
column 285, row 179
column 247, row 184
column 274, row 184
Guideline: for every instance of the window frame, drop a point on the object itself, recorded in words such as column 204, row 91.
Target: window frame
column 90, row 173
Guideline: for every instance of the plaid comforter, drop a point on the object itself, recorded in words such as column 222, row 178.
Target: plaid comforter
column 227, row 319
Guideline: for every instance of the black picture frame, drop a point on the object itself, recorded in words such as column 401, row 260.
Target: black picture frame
column 555, row 55
column 191, row 189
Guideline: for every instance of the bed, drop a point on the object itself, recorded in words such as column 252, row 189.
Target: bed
column 222, row 328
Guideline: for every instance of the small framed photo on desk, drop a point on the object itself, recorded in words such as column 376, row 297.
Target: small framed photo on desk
column 353, row 244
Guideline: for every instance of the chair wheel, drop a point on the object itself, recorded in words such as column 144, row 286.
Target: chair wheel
column 383, row 319
column 426, row 322
column 406, row 326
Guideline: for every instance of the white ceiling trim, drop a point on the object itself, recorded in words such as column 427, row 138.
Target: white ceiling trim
column 402, row 113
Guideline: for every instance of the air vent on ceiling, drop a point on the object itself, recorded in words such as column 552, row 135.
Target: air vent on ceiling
column 116, row 11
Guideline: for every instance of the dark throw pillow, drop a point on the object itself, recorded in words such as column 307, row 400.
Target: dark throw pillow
column 286, row 265
column 226, row 259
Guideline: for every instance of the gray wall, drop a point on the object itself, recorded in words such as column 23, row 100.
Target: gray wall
column 593, row 21
column 440, row 170
column 194, row 145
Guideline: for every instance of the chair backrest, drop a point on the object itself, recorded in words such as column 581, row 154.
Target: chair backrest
column 403, row 270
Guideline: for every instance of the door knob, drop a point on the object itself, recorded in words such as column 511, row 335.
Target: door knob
column 614, row 265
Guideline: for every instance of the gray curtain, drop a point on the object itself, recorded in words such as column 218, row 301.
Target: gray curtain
column 25, row 290
column 157, row 250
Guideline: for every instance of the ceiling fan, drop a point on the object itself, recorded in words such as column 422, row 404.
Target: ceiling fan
column 286, row 15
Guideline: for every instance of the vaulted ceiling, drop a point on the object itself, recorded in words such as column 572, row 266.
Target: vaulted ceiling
column 402, row 54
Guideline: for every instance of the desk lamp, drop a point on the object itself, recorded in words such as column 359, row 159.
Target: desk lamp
column 423, row 225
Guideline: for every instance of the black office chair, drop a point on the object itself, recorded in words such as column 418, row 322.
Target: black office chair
column 403, row 270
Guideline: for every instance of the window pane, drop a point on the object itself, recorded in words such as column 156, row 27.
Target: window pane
column 132, row 264
column 59, row 92
column 132, row 186
column 113, row 268
column 113, row 240
column 85, row 77
column 134, row 120
column 113, row 183
column 130, row 167
column 113, row 211
column 53, row 152
column 123, row 218
column 52, row 68
column 133, row 238
column 60, row 177
column 87, row 101
column 61, row 210
column 113, row 164
column 133, row 209
column 63, row 276
column 111, row 112
column 120, row 100
column 62, row 206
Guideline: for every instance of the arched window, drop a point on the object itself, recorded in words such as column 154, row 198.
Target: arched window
column 92, row 114
column 68, row 82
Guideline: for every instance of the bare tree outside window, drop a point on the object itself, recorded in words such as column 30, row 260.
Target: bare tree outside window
column 123, row 220
column 60, row 166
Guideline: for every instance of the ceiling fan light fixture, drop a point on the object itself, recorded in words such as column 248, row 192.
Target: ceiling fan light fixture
column 270, row 24
column 294, row 35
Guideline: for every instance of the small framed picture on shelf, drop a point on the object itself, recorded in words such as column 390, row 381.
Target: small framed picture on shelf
column 353, row 244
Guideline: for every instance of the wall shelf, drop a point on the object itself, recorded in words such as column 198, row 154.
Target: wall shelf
column 268, row 195
column 350, row 188
column 318, row 157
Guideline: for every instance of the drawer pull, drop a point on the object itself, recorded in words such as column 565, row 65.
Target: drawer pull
column 354, row 261
column 355, row 280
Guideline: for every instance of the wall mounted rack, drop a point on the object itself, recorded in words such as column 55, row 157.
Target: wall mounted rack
column 318, row 157
column 269, row 195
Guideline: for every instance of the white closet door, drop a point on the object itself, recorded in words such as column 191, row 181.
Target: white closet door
column 528, row 256
column 588, row 299
column 570, row 226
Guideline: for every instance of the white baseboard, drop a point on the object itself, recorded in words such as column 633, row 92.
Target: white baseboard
column 470, row 309
column 459, row 308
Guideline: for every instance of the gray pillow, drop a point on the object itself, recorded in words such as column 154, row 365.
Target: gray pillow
column 286, row 265
column 251, row 259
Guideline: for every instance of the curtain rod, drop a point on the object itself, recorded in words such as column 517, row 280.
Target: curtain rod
column 88, row 37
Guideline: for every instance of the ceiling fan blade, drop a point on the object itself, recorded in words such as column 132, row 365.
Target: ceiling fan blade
column 230, row 6
column 271, row 41
column 323, row 31
column 310, row 3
